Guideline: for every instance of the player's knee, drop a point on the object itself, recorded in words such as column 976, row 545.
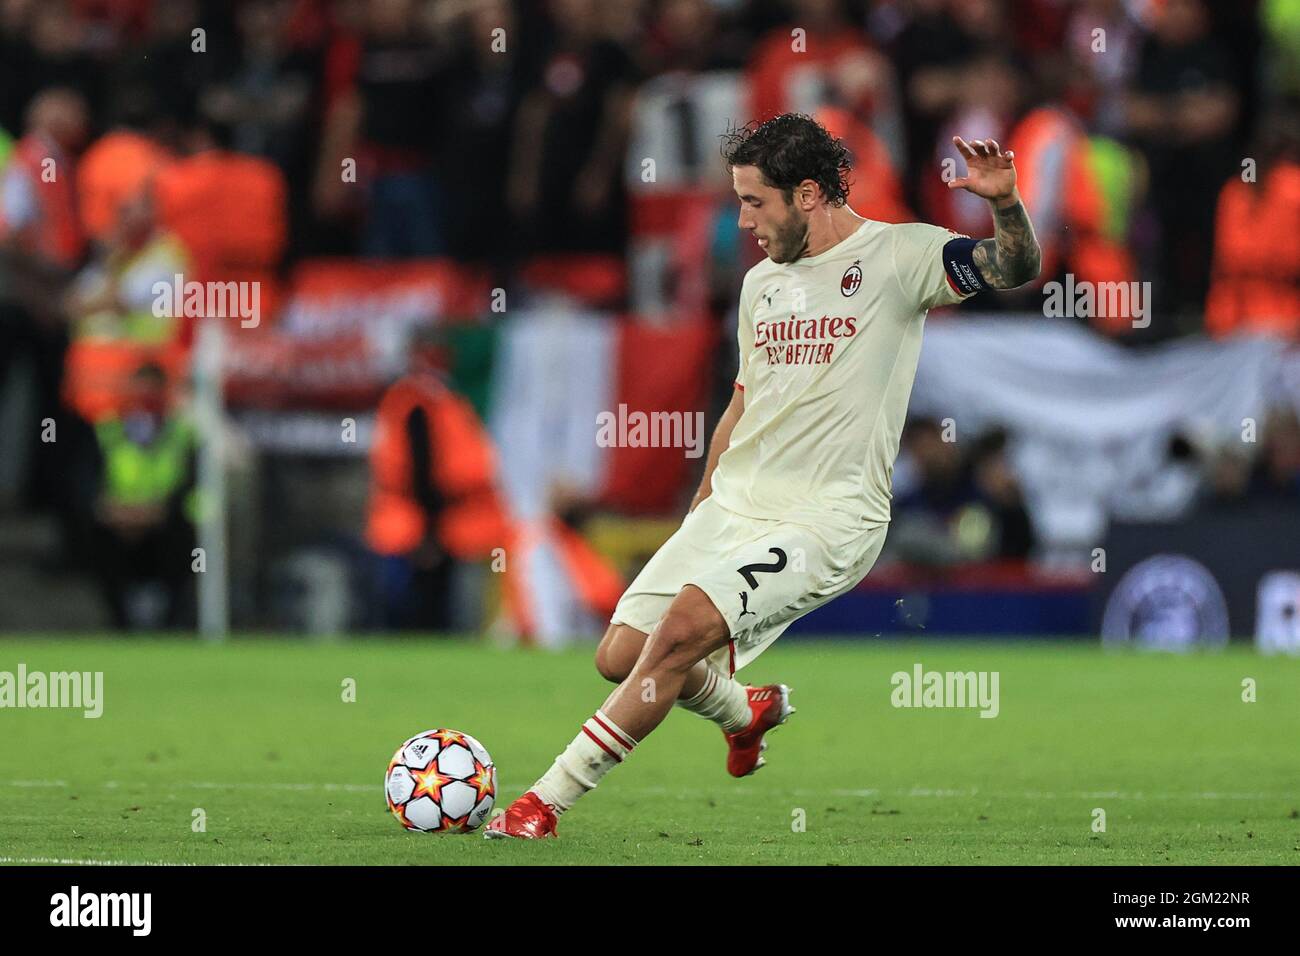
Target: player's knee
column 617, row 653
column 687, row 633
column 610, row 665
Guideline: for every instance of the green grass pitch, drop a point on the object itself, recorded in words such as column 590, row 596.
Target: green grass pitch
column 257, row 735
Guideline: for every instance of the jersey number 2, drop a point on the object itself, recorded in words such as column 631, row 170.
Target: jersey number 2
column 749, row 570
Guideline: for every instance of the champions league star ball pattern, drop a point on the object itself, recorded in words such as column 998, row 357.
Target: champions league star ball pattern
column 441, row 781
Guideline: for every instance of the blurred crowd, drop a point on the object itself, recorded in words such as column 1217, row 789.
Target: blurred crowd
column 962, row 502
column 492, row 129
column 1157, row 141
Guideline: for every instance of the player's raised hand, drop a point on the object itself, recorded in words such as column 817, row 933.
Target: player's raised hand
column 990, row 172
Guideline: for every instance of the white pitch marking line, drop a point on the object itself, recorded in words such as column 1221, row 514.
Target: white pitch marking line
column 36, row 783
column 208, row 785
column 59, row 861
column 1048, row 795
column 942, row 793
column 345, row 787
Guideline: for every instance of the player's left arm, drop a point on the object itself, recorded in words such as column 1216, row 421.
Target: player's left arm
column 1012, row 257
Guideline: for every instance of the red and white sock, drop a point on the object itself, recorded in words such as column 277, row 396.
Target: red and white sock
column 722, row 700
column 599, row 747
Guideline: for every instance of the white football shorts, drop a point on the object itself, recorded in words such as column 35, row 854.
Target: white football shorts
column 761, row 574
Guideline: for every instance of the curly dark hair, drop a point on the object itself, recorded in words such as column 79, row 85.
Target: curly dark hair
column 788, row 149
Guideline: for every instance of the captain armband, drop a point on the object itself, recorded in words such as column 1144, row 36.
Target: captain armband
column 959, row 263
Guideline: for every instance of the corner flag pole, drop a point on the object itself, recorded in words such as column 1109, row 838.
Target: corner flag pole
column 213, row 583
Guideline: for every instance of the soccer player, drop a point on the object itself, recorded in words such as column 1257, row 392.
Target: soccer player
column 794, row 503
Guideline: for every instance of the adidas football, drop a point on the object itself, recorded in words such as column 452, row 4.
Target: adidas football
column 441, row 781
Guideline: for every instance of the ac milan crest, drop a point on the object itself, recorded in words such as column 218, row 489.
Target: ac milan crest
column 852, row 280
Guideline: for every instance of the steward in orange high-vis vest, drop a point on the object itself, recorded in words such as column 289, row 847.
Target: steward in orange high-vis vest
column 432, row 474
column 1256, row 279
column 434, row 502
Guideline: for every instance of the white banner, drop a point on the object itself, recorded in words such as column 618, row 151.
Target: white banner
column 555, row 373
column 1091, row 421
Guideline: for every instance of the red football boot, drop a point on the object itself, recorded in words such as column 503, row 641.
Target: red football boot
column 769, row 707
column 528, row 818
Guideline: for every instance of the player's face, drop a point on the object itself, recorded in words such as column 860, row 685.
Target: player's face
column 779, row 226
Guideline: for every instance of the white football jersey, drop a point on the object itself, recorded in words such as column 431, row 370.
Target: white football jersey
column 828, row 351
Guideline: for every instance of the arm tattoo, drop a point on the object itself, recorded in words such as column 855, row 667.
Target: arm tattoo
column 1012, row 257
